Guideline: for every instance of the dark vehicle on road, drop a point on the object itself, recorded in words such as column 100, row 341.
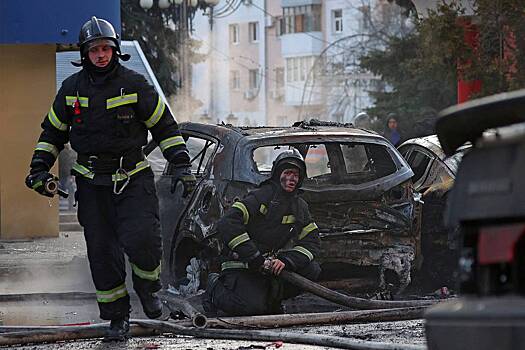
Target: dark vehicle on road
column 434, row 175
column 487, row 202
column 358, row 188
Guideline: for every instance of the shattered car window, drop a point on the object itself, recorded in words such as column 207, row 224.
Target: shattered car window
column 366, row 162
column 200, row 151
column 264, row 157
column 333, row 162
column 418, row 162
column 317, row 162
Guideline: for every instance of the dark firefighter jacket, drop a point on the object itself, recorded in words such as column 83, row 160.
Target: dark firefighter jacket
column 269, row 220
column 110, row 119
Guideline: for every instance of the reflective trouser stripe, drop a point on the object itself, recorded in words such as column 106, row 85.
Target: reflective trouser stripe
column 170, row 142
column 146, row 275
column 47, row 147
column 140, row 166
column 82, row 170
column 238, row 240
column 244, row 210
column 157, row 113
column 121, row 100
column 307, row 229
column 56, row 121
column 70, row 101
column 108, row 296
column 305, row 251
column 233, row 265
column 288, row 219
column 263, row 209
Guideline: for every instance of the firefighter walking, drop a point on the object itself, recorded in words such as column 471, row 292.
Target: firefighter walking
column 267, row 231
column 105, row 111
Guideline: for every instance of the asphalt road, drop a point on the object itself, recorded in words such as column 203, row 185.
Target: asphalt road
column 59, row 265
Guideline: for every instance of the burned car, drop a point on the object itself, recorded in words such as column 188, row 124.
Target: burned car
column 434, row 176
column 358, row 188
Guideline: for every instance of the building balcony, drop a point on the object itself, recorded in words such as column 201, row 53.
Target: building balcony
column 294, row 3
column 302, row 44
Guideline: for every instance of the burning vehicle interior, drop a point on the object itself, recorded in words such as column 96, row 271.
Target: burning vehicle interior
column 358, row 188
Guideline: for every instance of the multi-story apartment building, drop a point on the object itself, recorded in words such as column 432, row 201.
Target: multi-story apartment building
column 274, row 62
column 230, row 82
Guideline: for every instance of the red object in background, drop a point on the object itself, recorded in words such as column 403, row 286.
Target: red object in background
column 466, row 88
column 497, row 244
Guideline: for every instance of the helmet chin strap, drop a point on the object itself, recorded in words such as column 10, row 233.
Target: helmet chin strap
column 124, row 56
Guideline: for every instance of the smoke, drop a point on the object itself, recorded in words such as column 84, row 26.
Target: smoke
column 45, row 266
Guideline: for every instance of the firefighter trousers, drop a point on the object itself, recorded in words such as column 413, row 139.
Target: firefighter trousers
column 243, row 292
column 115, row 225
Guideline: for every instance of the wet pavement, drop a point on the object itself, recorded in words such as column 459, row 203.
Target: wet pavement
column 59, row 265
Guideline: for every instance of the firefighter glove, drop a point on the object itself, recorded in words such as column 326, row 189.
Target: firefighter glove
column 37, row 181
column 188, row 180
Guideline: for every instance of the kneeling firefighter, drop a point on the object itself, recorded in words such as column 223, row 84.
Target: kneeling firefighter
column 105, row 111
column 267, row 231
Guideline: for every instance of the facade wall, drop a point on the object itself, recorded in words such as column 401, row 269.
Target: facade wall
column 279, row 114
column 283, row 53
column 27, row 89
column 219, row 102
column 245, row 98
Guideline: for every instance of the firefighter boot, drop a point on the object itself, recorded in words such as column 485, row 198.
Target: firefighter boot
column 118, row 330
column 151, row 304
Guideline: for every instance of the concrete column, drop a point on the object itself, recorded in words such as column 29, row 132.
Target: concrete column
column 27, row 89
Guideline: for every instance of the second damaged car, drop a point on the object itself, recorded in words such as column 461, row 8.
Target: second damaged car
column 358, row 189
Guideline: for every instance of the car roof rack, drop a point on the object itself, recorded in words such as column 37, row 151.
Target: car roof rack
column 467, row 121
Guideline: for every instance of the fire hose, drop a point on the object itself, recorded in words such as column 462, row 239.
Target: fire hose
column 394, row 311
column 346, row 300
column 154, row 327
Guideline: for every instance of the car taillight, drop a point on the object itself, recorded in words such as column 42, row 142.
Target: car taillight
column 497, row 244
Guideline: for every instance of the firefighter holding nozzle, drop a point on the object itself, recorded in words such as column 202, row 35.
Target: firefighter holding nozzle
column 105, row 111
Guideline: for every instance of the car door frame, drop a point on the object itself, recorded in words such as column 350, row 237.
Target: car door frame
column 172, row 212
column 433, row 157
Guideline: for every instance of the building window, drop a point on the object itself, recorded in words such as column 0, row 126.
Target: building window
column 279, row 26
column 298, row 68
column 300, row 19
column 254, row 78
column 234, row 33
column 253, row 28
column 235, row 77
column 337, row 21
column 295, row 68
column 289, row 70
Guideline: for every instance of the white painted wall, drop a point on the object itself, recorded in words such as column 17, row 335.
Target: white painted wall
column 211, row 78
